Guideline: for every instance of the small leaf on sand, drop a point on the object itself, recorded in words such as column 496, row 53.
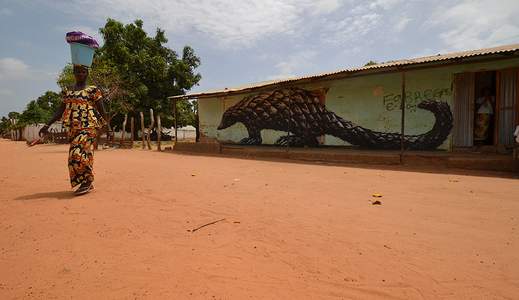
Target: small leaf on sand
column 376, row 203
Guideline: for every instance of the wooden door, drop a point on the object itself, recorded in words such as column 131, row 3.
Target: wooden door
column 463, row 131
column 506, row 106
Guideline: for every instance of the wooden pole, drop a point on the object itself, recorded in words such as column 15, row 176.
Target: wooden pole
column 148, row 132
column 159, row 132
column 288, row 123
column 142, row 129
column 175, row 115
column 11, row 131
column 112, row 136
column 197, row 123
column 132, row 130
column 517, row 98
column 497, row 110
column 123, row 133
column 402, row 129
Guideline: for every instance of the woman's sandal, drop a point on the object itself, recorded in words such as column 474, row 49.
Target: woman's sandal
column 83, row 189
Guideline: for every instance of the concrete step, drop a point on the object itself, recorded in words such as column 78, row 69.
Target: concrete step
column 444, row 159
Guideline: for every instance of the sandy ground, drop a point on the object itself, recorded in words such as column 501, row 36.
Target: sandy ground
column 291, row 230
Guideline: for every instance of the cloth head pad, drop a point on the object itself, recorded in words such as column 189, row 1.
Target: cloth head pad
column 81, row 38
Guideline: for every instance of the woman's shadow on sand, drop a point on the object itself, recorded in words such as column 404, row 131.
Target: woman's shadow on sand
column 49, row 195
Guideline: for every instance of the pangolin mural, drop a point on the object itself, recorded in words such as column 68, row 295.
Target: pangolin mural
column 300, row 112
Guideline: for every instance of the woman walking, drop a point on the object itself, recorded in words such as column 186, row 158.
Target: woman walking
column 81, row 113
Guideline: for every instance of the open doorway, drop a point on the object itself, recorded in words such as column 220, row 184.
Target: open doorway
column 484, row 108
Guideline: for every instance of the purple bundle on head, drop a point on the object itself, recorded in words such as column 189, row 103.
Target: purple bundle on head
column 81, row 38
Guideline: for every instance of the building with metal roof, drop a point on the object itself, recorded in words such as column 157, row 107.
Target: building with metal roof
column 390, row 66
column 460, row 100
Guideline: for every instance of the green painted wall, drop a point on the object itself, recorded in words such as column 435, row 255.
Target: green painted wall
column 370, row 101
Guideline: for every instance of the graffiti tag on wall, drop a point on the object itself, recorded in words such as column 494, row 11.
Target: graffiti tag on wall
column 413, row 98
column 305, row 118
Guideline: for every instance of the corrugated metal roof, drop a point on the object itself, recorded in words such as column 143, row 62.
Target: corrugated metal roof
column 375, row 68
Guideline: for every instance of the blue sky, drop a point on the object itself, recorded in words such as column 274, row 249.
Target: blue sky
column 242, row 41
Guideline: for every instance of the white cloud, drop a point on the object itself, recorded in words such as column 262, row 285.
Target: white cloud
column 293, row 65
column 229, row 22
column 13, row 68
column 402, row 23
column 384, row 4
column 365, row 18
column 472, row 24
column 360, row 7
column 6, row 12
column 350, row 28
column 324, row 6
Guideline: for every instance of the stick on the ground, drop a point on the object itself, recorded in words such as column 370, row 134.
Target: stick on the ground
column 35, row 142
column 200, row 227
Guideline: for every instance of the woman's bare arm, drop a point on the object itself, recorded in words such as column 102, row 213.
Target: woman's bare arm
column 57, row 115
column 101, row 108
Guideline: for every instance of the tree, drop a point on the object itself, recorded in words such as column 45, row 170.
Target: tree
column 106, row 77
column 34, row 114
column 137, row 72
column 5, row 125
column 49, row 101
column 66, row 78
column 149, row 71
column 36, row 111
column 186, row 113
column 370, row 63
column 13, row 115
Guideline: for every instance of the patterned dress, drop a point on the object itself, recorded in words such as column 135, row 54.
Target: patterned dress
column 82, row 120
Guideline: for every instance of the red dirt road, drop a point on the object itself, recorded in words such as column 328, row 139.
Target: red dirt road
column 291, row 231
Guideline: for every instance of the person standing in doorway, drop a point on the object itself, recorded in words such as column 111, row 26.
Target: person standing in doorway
column 484, row 116
column 81, row 113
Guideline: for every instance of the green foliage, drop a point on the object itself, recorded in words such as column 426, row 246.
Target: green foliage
column 185, row 113
column 106, row 77
column 36, row 111
column 371, row 63
column 49, row 101
column 34, row 114
column 66, row 77
column 5, row 125
column 13, row 115
column 149, row 71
